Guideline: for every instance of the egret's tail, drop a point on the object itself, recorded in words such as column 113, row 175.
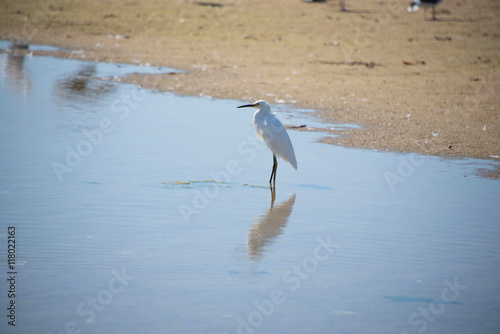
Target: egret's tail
column 291, row 160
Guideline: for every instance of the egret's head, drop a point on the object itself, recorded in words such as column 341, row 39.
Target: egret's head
column 257, row 104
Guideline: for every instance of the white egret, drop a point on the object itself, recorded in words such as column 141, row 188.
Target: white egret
column 273, row 133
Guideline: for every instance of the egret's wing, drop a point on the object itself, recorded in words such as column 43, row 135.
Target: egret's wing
column 276, row 138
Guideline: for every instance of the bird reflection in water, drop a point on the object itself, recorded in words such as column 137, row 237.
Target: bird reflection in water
column 78, row 95
column 83, row 85
column 269, row 226
column 15, row 72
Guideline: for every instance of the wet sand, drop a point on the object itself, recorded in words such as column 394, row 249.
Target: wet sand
column 414, row 85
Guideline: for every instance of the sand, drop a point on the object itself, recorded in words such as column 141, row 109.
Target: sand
column 415, row 85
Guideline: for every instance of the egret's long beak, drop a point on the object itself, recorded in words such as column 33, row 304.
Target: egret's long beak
column 247, row 106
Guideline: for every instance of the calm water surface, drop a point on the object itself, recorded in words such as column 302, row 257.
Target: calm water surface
column 144, row 212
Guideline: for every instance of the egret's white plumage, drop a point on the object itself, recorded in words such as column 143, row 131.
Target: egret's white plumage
column 273, row 133
column 269, row 128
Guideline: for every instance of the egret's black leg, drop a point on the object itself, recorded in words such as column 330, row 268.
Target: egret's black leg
column 275, row 167
column 434, row 13
column 272, row 173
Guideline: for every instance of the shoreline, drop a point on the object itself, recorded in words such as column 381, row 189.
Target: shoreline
column 414, row 86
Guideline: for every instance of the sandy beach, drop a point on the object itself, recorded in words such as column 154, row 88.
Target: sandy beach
column 415, row 85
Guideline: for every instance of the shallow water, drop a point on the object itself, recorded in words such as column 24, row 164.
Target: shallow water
column 144, row 212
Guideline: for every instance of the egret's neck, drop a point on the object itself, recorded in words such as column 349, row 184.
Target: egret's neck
column 263, row 112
